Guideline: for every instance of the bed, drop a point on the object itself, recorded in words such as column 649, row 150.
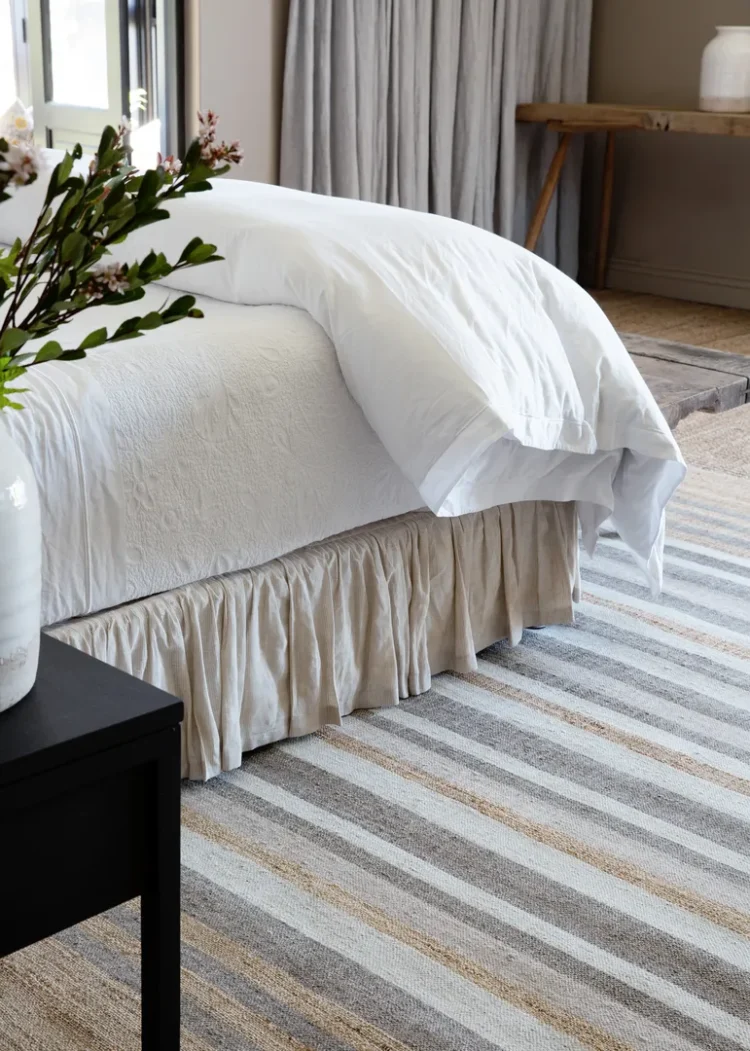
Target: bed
column 307, row 503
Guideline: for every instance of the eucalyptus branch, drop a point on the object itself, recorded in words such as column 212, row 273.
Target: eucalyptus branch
column 82, row 217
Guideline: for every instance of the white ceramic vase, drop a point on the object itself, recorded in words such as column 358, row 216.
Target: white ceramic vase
column 20, row 573
column 725, row 71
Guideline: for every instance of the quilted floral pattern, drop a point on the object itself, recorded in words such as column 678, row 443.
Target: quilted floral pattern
column 195, row 452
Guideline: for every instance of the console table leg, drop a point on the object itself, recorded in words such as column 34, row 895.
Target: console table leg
column 160, row 913
column 548, row 191
column 605, row 219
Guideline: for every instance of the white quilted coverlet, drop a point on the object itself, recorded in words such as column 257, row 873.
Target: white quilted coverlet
column 211, row 446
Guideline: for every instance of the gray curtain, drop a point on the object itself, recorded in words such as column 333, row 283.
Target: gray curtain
column 412, row 103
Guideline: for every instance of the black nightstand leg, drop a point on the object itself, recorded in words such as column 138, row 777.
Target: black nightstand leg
column 160, row 912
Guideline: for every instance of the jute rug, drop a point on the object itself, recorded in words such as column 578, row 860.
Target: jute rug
column 550, row 854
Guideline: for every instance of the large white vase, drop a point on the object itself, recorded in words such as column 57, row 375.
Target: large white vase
column 20, row 573
column 725, row 71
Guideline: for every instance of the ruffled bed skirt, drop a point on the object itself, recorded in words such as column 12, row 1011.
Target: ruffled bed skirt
column 356, row 621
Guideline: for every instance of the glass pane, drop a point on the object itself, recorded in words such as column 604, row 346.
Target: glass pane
column 8, row 90
column 78, row 52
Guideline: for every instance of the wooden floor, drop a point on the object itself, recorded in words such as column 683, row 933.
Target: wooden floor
column 722, row 328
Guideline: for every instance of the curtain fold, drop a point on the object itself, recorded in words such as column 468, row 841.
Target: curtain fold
column 412, row 103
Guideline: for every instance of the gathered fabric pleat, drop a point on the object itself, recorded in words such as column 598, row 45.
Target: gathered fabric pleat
column 355, row 621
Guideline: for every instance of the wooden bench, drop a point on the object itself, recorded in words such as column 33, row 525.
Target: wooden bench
column 581, row 118
column 685, row 379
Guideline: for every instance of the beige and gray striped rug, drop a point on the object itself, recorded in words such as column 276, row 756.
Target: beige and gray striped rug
column 552, row 853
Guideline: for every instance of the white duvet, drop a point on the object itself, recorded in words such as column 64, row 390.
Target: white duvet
column 214, row 445
column 487, row 374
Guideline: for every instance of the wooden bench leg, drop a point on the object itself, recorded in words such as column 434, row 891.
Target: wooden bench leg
column 548, row 191
column 605, row 218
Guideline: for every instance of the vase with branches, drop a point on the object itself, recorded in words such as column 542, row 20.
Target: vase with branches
column 58, row 272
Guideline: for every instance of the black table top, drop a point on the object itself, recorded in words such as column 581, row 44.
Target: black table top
column 77, row 707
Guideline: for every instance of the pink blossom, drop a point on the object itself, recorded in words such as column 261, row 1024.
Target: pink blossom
column 171, row 165
column 22, row 161
column 107, row 277
column 214, row 153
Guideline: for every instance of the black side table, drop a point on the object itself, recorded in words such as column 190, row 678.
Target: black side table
column 90, row 817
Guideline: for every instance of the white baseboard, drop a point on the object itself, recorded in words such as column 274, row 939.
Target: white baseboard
column 677, row 283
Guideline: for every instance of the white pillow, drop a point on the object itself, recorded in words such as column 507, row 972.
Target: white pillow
column 19, row 214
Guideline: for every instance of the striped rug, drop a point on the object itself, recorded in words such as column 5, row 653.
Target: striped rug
column 552, row 853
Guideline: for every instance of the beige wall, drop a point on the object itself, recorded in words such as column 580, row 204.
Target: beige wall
column 681, row 224
column 235, row 64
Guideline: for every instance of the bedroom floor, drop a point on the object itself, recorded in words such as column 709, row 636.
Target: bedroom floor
column 546, row 853
column 703, row 325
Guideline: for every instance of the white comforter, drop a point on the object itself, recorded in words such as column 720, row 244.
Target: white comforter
column 487, row 374
column 214, row 445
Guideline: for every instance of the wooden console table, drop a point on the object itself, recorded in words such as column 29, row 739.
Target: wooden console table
column 579, row 118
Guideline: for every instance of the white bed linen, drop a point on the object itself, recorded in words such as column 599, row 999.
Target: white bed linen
column 488, row 375
column 207, row 447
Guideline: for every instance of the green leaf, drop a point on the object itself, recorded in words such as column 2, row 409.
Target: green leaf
column 73, row 248
column 192, row 157
column 198, row 187
column 179, row 308
column 126, row 329
column 49, row 352
column 94, row 339
column 13, row 251
column 125, row 335
column 189, row 247
column 195, row 312
column 115, row 195
column 72, row 355
column 199, row 173
column 12, row 339
column 64, row 168
column 201, row 254
column 152, row 320
column 108, row 137
column 149, row 184
column 10, row 370
column 72, row 200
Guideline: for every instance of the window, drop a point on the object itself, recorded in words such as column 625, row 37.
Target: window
column 76, row 39
column 82, row 64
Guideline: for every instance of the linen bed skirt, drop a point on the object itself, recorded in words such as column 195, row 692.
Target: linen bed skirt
column 355, row 621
